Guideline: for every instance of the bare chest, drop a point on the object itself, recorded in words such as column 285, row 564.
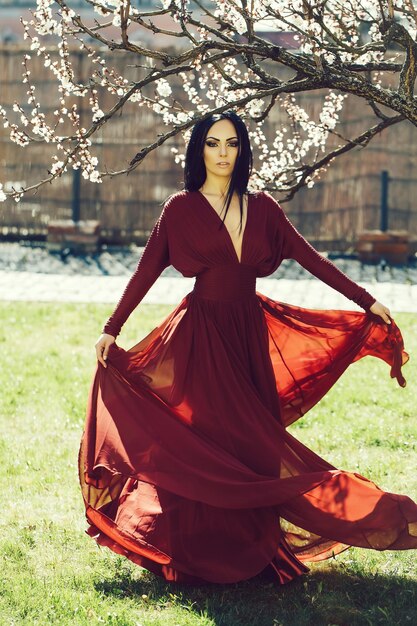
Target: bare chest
column 232, row 220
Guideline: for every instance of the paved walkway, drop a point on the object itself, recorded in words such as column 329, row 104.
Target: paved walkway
column 310, row 293
column 28, row 272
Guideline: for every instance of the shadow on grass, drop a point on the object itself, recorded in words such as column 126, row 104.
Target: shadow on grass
column 319, row 598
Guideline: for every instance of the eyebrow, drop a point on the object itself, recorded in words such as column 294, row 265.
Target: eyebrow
column 211, row 137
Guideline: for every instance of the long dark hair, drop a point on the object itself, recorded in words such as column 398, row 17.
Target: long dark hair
column 195, row 170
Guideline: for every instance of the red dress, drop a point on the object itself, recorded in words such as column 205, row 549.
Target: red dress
column 185, row 463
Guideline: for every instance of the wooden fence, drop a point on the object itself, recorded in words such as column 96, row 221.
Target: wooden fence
column 345, row 201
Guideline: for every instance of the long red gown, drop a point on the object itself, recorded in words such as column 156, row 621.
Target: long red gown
column 185, row 463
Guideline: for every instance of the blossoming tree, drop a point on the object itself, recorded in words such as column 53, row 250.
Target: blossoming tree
column 343, row 46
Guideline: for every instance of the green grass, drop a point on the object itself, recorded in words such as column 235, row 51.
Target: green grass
column 53, row 573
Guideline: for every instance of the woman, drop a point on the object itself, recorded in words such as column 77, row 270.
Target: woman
column 185, row 463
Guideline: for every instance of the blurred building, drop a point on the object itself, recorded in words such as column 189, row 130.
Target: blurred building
column 11, row 30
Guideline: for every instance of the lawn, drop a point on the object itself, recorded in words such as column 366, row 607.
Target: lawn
column 53, row 573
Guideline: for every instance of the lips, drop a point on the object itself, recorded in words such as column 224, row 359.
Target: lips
column 223, row 163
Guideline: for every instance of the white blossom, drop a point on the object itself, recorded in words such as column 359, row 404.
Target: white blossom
column 98, row 114
column 163, row 88
column 95, row 177
column 58, row 165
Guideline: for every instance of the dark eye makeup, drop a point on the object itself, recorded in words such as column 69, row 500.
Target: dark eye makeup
column 211, row 144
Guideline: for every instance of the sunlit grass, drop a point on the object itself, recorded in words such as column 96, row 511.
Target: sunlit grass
column 53, row 573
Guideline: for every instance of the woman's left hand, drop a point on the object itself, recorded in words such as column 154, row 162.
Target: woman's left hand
column 379, row 309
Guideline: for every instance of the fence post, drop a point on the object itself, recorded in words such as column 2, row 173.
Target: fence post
column 76, row 177
column 384, row 201
column 75, row 201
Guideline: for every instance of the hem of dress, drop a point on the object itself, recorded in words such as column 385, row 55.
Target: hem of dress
column 285, row 566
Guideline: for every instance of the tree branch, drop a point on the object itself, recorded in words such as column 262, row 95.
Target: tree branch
column 361, row 141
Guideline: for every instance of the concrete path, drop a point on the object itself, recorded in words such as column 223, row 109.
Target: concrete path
column 310, row 293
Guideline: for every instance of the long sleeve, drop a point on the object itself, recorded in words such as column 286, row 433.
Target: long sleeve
column 298, row 248
column 154, row 259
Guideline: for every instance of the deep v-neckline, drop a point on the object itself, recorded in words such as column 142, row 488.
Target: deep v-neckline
column 229, row 237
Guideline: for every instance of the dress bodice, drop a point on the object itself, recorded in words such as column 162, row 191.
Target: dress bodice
column 190, row 236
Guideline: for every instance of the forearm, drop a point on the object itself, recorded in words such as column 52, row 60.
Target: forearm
column 295, row 246
column 135, row 290
column 326, row 271
column 154, row 259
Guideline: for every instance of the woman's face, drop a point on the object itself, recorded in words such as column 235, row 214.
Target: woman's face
column 221, row 148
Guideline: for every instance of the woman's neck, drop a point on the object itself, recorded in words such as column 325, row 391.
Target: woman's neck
column 215, row 187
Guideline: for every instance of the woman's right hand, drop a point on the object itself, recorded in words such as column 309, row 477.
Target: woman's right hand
column 380, row 309
column 102, row 347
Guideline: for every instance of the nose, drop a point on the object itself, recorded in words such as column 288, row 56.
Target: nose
column 223, row 150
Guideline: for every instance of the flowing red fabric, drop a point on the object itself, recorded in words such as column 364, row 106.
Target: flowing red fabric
column 185, row 464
